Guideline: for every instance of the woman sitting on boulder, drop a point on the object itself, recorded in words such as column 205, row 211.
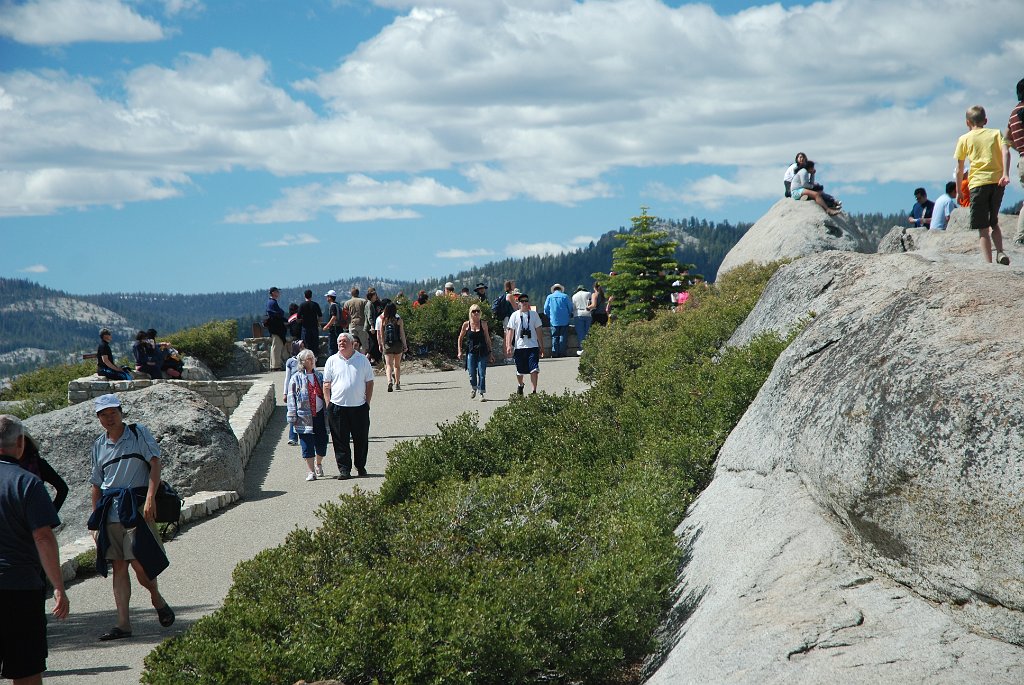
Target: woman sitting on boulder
column 804, row 187
column 797, row 165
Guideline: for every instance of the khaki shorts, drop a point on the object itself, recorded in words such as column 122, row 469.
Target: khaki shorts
column 121, row 540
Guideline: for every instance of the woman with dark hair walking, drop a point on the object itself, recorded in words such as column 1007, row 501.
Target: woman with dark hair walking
column 391, row 339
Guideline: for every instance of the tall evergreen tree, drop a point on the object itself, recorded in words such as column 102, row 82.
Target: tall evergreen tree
column 644, row 268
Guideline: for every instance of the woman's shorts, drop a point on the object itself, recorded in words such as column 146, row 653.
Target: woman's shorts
column 797, row 193
column 527, row 360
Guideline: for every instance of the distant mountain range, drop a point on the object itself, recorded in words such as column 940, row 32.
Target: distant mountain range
column 41, row 326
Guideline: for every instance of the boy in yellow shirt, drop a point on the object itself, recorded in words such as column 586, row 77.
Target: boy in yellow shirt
column 986, row 180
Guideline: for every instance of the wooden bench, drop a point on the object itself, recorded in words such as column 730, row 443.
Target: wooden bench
column 89, row 355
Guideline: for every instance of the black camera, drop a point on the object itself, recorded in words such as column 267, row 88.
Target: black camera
column 525, row 334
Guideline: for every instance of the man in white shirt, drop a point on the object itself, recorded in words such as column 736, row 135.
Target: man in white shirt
column 580, row 301
column 348, row 389
column 944, row 206
column 523, row 334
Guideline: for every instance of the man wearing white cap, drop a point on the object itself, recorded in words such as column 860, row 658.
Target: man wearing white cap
column 125, row 475
column 333, row 325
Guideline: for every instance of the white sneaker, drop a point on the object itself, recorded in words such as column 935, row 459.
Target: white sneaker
column 472, row 394
column 310, row 476
column 482, row 398
column 319, row 471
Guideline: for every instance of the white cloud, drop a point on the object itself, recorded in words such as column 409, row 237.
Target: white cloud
column 289, row 240
column 546, row 100
column 464, row 254
column 56, row 22
column 34, row 269
column 175, row 7
column 542, row 248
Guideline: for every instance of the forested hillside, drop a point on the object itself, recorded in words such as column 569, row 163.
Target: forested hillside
column 40, row 326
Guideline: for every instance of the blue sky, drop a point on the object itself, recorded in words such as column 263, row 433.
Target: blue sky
column 189, row 146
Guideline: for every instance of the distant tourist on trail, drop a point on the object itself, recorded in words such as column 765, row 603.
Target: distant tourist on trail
column 105, row 365
column 481, row 291
column 28, row 549
column 333, row 325
column 310, row 315
column 294, row 327
column 166, row 356
column 804, row 187
column 421, row 299
column 275, row 323
column 921, row 212
column 583, row 319
column 1015, row 138
column 307, row 413
column 391, row 339
column 125, row 478
column 598, row 305
column 478, row 351
column 464, row 292
column 348, row 389
column 374, row 308
column 355, row 309
column 787, row 178
column 33, row 462
column 681, row 296
column 558, row 308
column 449, row 290
column 985, row 147
column 523, row 334
column 290, row 367
column 944, row 206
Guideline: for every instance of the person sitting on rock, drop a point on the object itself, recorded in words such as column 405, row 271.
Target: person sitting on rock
column 105, row 365
column 921, row 212
column 787, row 178
column 804, row 187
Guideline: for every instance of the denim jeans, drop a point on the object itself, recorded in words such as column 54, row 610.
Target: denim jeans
column 558, row 337
column 476, row 364
column 582, row 328
column 315, row 442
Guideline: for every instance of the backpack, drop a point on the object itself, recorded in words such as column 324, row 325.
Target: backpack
column 501, row 307
column 168, row 502
column 390, row 334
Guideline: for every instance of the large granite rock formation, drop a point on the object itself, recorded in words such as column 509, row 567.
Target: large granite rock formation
column 200, row 452
column 792, row 229
column 866, row 519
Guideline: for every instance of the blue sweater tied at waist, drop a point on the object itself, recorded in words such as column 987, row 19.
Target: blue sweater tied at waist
column 145, row 547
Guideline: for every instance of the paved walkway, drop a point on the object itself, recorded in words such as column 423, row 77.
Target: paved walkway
column 278, row 500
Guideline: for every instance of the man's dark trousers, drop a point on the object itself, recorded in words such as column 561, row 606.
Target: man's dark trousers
column 346, row 423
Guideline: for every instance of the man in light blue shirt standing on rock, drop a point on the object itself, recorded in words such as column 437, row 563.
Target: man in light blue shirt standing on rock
column 558, row 308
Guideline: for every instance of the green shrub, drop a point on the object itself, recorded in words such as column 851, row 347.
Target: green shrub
column 212, row 343
column 44, row 389
column 539, row 547
column 435, row 325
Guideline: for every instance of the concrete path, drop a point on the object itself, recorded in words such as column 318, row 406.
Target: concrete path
column 278, row 500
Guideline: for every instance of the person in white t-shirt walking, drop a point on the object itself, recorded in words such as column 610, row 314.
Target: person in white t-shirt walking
column 522, row 333
column 348, row 389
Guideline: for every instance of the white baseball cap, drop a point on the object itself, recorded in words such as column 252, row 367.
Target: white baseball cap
column 330, row 293
column 106, row 402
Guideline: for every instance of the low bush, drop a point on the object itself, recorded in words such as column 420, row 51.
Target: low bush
column 44, row 389
column 537, row 548
column 435, row 326
column 212, row 343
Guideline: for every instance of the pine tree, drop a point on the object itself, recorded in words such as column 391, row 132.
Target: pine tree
column 644, row 269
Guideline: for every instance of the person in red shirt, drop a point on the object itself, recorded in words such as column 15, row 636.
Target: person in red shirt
column 1015, row 137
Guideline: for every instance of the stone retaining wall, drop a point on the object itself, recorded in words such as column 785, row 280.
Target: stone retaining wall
column 252, row 414
column 225, row 395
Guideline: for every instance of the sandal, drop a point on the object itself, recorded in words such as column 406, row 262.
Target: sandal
column 115, row 633
column 166, row 615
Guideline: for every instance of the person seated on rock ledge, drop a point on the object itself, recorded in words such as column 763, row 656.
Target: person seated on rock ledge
column 921, row 212
column 105, row 365
column 787, row 178
column 804, row 188
column 145, row 360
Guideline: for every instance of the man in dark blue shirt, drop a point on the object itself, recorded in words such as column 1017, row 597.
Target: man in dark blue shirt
column 27, row 547
column 276, row 326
